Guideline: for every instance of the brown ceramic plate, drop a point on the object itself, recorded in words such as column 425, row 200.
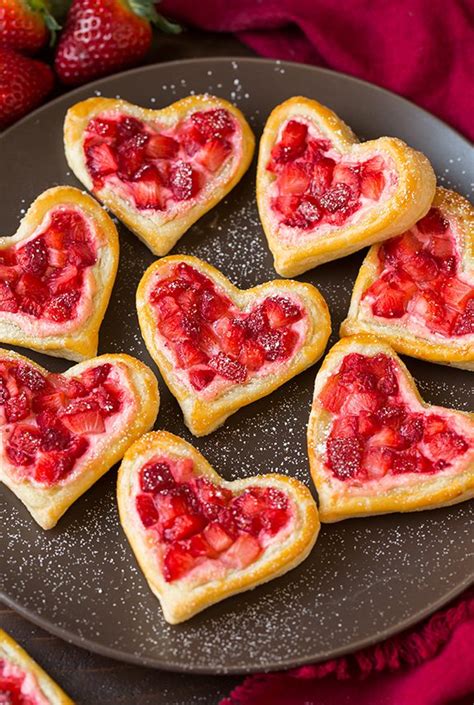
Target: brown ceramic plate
column 365, row 579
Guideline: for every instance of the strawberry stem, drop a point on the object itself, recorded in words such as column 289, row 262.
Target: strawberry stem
column 42, row 7
column 146, row 9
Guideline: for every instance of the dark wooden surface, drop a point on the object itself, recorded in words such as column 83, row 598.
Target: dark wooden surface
column 91, row 679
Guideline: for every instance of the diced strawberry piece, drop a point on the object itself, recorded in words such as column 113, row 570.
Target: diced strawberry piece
column 54, row 435
column 155, row 477
column 100, row 160
column 434, row 223
column 217, row 537
column 128, row 127
column 78, row 447
column 53, row 467
column 183, row 527
column 377, row 462
column 210, row 494
column 391, row 303
column 345, row 427
column 372, row 182
column 400, row 249
column 362, row 401
column 412, row 429
column 456, row 293
column 441, row 247
column 131, row 155
column 309, row 211
column 71, row 223
column 344, row 174
column 51, row 401
column 61, row 308
column 57, row 258
column 147, row 189
column 421, row 267
column 214, row 153
column 177, row 562
column 215, row 123
column 4, row 393
column 103, row 127
column 465, row 321
column 8, row 300
column 405, row 461
column 95, row 376
column 172, row 327
column 333, row 394
column 23, row 444
column 294, row 137
column 183, row 181
column 252, row 355
column 337, row 198
column 161, row 147
column 287, row 205
column 388, row 438
column 446, row 445
column 367, row 424
column 212, row 306
column 192, row 139
column 201, row 378
column 32, row 379
column 429, row 306
column 244, row 551
column 189, row 354
column 171, row 503
column 322, row 175
column 81, row 254
column 85, row 422
column 54, row 238
column 33, row 257
column 344, row 456
column 9, row 273
column 65, row 279
column 228, row 368
column 392, row 415
column 146, row 510
column 293, row 180
column 17, row 408
column 231, row 334
column 434, row 424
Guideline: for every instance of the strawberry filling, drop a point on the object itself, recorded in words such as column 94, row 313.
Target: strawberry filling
column 203, row 526
column 44, row 278
column 315, row 185
column 157, row 166
column 420, row 280
column 49, row 422
column 377, row 431
column 18, row 687
column 211, row 339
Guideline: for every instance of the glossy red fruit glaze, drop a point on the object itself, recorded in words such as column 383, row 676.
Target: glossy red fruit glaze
column 44, row 278
column 159, row 167
column 196, row 520
column 49, row 421
column 376, row 432
column 313, row 188
column 420, row 279
column 211, row 338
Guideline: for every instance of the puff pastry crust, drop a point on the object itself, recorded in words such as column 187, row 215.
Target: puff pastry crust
column 342, row 499
column 44, row 687
column 47, row 503
column 408, row 200
column 184, row 597
column 454, row 350
column 80, row 341
column 204, row 413
column 157, row 229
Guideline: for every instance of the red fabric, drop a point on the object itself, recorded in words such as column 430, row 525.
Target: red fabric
column 432, row 664
column 422, row 49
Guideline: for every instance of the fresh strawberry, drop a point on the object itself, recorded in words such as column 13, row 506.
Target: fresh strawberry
column 214, row 153
column 147, row 189
column 104, row 36
column 85, row 422
column 293, row 179
column 24, row 25
column 100, row 160
column 8, row 300
column 161, row 147
column 24, row 84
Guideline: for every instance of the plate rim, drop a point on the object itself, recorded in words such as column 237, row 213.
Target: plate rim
column 284, row 664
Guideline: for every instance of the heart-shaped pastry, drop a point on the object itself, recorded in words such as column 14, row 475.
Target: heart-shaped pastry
column 57, row 274
column 322, row 195
column 220, row 348
column 199, row 538
column 375, row 446
column 416, row 291
column 158, row 170
column 22, row 681
column 60, row 432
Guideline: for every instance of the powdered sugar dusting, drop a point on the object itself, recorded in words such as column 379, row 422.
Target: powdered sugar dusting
column 364, row 577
